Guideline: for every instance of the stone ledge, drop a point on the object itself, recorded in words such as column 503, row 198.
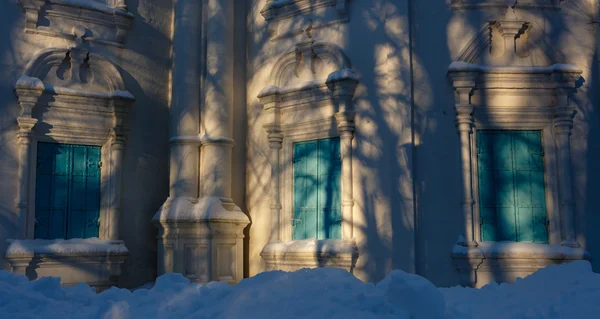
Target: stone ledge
column 92, row 261
column 521, row 4
column 72, row 19
column 286, row 18
column 507, row 261
column 310, row 253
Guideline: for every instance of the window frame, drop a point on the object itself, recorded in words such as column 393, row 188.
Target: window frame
column 317, row 208
column 34, row 202
column 321, row 129
column 550, row 175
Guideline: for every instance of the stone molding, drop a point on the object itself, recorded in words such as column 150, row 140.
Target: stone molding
column 99, row 269
column 495, row 4
column 72, row 96
column 79, row 20
column 514, row 97
column 297, row 109
column 514, row 36
column 310, row 253
column 287, row 18
column 478, row 266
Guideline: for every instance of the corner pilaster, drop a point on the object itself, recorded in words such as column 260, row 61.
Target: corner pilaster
column 464, row 85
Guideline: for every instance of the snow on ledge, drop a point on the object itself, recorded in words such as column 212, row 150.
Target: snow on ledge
column 312, row 247
column 458, row 66
column 183, row 209
column 273, row 90
column 508, row 250
column 78, row 92
column 343, row 74
column 28, row 247
column 28, row 82
column 94, row 5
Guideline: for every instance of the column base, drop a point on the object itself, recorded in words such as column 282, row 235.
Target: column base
column 201, row 238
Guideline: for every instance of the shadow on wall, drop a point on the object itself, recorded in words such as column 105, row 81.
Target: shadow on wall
column 383, row 211
column 144, row 65
column 11, row 66
column 398, row 142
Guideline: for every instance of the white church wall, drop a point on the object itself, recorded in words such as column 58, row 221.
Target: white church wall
column 144, row 65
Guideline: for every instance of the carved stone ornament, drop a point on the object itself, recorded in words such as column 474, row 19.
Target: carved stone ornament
column 72, row 96
column 105, row 21
column 290, row 17
column 309, row 97
column 509, row 78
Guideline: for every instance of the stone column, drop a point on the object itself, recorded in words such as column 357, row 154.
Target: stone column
column 117, row 144
column 217, row 109
column 275, row 145
column 26, row 125
column 343, row 84
column 200, row 227
column 185, row 101
column 465, row 124
column 563, row 122
column 346, row 126
column 28, row 91
column 270, row 99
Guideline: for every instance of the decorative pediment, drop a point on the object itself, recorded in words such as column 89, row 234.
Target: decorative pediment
column 308, row 73
column 99, row 21
column 78, row 93
column 511, row 41
column 487, row 4
column 509, row 68
column 308, row 61
column 289, row 17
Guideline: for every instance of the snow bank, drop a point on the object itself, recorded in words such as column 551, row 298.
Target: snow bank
column 563, row 291
column 28, row 247
column 566, row 291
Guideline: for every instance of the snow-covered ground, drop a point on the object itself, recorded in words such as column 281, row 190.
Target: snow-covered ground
column 565, row 291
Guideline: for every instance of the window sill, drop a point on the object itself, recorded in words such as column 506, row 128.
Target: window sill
column 310, row 253
column 507, row 261
column 92, row 261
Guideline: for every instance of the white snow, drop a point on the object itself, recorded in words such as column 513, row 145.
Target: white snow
column 322, row 246
column 564, row 291
column 459, row 66
column 28, row 82
column 88, row 93
column 94, row 5
column 194, row 209
column 343, row 74
column 518, row 249
column 29, row 247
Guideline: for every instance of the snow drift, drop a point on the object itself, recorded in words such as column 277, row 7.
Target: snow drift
column 564, row 291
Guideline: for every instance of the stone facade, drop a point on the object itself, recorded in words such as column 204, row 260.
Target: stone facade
column 198, row 105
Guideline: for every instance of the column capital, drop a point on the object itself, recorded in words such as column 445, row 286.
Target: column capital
column 117, row 138
column 28, row 90
column 563, row 120
column 345, row 121
column 26, row 124
column 275, row 140
column 464, row 118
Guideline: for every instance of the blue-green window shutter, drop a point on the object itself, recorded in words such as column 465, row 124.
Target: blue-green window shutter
column 317, row 205
column 512, row 197
column 67, row 191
